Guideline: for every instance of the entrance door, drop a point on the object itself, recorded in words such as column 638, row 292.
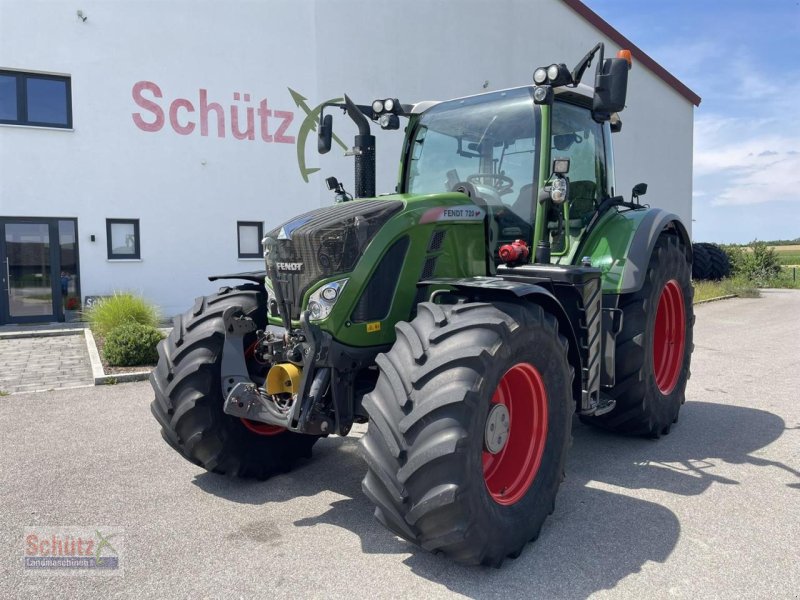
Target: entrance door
column 38, row 269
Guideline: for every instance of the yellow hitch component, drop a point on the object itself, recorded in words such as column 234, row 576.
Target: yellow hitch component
column 283, row 378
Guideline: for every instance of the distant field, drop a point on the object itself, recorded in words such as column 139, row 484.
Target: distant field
column 788, row 255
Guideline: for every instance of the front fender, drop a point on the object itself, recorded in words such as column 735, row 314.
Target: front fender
column 621, row 243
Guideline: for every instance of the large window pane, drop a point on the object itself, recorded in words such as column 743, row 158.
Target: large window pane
column 28, row 249
column 8, row 97
column 47, row 101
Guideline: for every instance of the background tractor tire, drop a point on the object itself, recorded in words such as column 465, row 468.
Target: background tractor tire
column 188, row 395
column 442, row 388
column 701, row 263
column 654, row 348
column 720, row 264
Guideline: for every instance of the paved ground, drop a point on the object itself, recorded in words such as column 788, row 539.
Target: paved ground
column 44, row 363
column 710, row 511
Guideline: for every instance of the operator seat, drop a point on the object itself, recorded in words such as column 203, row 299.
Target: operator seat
column 523, row 205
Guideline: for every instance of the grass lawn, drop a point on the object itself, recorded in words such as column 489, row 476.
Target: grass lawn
column 706, row 290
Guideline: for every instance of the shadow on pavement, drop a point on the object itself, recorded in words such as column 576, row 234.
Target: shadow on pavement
column 594, row 539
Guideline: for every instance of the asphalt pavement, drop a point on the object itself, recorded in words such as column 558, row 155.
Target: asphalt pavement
column 710, row 511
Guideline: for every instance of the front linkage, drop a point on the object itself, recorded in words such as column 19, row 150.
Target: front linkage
column 316, row 379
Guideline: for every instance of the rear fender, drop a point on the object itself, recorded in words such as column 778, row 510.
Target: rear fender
column 621, row 243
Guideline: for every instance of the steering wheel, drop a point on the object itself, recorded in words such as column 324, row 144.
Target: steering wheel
column 503, row 185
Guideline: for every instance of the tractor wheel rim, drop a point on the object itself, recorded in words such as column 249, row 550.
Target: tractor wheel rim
column 262, row 428
column 510, row 470
column 669, row 337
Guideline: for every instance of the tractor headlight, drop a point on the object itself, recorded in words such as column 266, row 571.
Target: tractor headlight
column 558, row 190
column 388, row 104
column 377, row 106
column 540, row 76
column 321, row 302
column 552, row 72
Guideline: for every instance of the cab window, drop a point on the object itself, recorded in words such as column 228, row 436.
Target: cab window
column 576, row 136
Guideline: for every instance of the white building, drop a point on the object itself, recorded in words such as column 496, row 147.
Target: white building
column 146, row 145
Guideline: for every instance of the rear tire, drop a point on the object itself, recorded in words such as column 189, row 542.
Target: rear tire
column 654, row 348
column 430, row 472
column 701, row 263
column 188, row 395
column 720, row 264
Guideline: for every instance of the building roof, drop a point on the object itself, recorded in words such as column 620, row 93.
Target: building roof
column 638, row 54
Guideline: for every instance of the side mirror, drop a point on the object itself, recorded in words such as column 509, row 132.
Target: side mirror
column 640, row 189
column 610, row 88
column 325, row 134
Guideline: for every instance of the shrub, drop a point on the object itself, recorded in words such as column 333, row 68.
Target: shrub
column 759, row 263
column 132, row 344
column 110, row 313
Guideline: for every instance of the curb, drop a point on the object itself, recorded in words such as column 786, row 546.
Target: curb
column 717, row 299
column 13, row 335
column 99, row 375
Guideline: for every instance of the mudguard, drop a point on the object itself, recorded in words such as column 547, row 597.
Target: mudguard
column 622, row 241
column 497, row 289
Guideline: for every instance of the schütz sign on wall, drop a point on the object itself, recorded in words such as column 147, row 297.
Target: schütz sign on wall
column 204, row 115
column 245, row 119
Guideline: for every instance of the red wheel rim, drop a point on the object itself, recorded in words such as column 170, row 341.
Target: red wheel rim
column 510, row 472
column 262, row 428
column 669, row 337
column 255, row 426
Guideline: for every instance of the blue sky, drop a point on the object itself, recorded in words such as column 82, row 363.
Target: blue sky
column 742, row 57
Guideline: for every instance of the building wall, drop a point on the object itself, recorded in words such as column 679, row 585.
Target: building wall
column 189, row 189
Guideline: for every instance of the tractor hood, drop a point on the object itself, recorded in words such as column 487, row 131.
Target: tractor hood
column 322, row 243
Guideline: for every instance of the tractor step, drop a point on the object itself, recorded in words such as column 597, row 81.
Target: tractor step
column 605, row 405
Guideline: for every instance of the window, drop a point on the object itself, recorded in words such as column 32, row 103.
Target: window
column 35, row 99
column 249, row 234
column 122, row 238
column 578, row 137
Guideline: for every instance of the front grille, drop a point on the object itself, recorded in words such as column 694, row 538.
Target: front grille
column 322, row 243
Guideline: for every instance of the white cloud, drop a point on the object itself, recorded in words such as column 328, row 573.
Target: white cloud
column 747, row 161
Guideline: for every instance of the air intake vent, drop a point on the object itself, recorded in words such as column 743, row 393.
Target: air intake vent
column 437, row 239
column 376, row 299
column 429, row 268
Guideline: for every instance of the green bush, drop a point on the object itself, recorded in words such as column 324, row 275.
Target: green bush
column 110, row 313
column 132, row 344
column 759, row 263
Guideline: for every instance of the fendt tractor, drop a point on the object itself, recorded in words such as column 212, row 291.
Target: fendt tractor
column 504, row 287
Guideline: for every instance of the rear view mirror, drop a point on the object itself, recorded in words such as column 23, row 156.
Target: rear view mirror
column 610, row 88
column 325, row 134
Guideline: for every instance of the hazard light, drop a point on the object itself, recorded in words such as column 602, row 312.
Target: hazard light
column 626, row 54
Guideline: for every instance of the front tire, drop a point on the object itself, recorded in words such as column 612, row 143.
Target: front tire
column 189, row 401
column 445, row 470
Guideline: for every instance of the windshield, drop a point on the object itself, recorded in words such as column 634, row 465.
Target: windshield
column 487, row 141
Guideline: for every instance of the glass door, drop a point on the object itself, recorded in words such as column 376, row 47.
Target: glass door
column 28, row 283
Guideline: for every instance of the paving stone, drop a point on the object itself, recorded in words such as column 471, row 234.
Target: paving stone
column 44, row 363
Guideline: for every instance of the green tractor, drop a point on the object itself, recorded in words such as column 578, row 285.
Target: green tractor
column 466, row 318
